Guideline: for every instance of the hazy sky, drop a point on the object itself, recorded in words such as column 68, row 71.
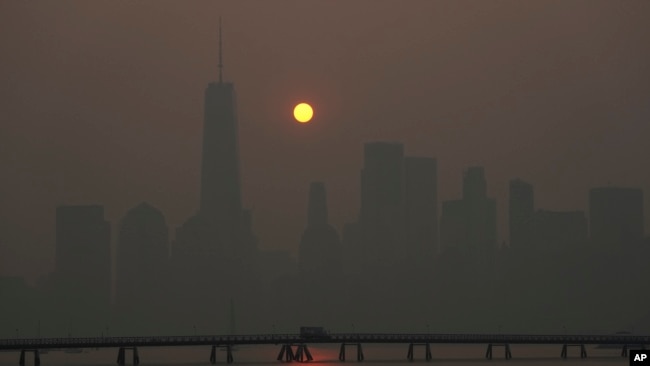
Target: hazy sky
column 102, row 102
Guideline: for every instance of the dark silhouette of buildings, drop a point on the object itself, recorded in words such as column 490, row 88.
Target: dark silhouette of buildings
column 220, row 187
column 142, row 264
column 320, row 263
column 218, row 229
column 398, row 218
column 453, row 226
column 390, row 250
column 558, row 230
column 320, row 246
column 214, row 254
column 381, row 202
column 19, row 303
column 521, row 207
column 420, row 208
column 83, row 252
column 469, row 225
column 481, row 213
column 351, row 246
column 615, row 216
column 277, row 265
column 532, row 230
column 83, row 264
column 215, row 263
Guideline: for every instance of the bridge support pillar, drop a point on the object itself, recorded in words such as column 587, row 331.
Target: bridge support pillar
column 626, row 347
column 37, row 357
column 121, row 356
column 303, row 354
column 286, row 352
column 229, row 357
column 213, row 355
column 427, row 355
column 583, row 350
column 507, row 352
column 359, row 351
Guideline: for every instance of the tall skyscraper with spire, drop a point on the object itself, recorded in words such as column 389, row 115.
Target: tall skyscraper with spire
column 218, row 228
column 220, row 201
column 217, row 241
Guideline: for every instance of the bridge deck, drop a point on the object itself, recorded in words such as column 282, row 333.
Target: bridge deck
column 165, row 341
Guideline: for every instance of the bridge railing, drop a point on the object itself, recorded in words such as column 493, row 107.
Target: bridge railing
column 91, row 342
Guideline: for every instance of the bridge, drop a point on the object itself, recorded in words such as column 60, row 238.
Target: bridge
column 294, row 346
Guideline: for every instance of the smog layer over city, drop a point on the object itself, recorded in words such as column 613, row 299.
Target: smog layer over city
column 457, row 167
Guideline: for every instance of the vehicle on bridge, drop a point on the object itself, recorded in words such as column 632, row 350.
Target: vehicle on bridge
column 314, row 333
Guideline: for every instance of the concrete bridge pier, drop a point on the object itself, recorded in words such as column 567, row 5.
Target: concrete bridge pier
column 121, row 356
column 359, row 351
column 213, row 355
column 286, row 352
column 506, row 346
column 303, row 354
column 583, row 350
column 626, row 347
column 37, row 357
column 229, row 357
column 427, row 355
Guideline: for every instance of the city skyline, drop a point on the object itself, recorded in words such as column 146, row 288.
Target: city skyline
column 562, row 181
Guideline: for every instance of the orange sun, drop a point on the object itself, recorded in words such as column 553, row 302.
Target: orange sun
column 303, row 112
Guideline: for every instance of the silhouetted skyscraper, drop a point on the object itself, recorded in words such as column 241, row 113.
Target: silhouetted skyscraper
column 217, row 241
column 83, row 264
column 557, row 230
column 317, row 207
column 217, row 227
column 615, row 216
column 142, row 259
column 481, row 212
column 351, row 246
column 320, row 247
column 83, row 249
column 220, row 186
column 470, row 224
column 421, row 207
column 521, row 207
column 474, row 184
column 381, row 200
column 453, row 226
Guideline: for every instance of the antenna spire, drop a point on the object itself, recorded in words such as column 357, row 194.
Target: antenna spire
column 220, row 52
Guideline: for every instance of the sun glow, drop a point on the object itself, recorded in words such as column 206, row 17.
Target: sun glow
column 303, row 112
